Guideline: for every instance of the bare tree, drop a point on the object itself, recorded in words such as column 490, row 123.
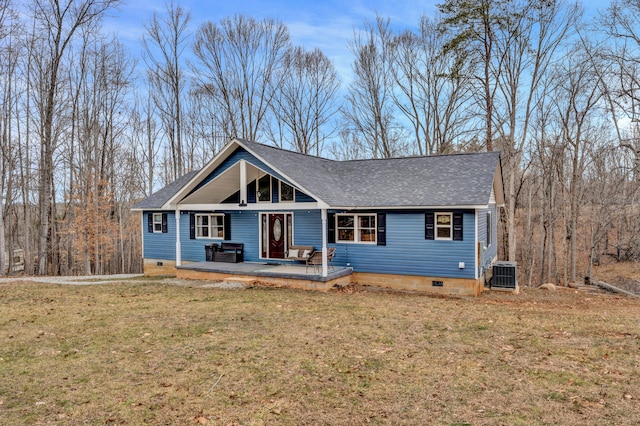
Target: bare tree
column 577, row 96
column 527, row 46
column 57, row 23
column 621, row 23
column 369, row 111
column 239, row 63
column 8, row 63
column 433, row 88
column 306, row 100
column 164, row 45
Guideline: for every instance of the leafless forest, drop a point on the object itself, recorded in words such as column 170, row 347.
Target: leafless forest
column 87, row 128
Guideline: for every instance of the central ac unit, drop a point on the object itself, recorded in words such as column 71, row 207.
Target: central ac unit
column 504, row 276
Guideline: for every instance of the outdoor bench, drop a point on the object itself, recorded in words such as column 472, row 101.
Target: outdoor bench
column 230, row 253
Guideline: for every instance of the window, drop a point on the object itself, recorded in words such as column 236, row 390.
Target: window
column 443, row 226
column 157, row 222
column 287, row 192
column 356, row 228
column 346, row 228
column 489, row 229
column 367, row 227
column 209, row 226
column 263, row 187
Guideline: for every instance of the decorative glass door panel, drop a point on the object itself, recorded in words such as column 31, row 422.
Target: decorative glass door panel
column 276, row 235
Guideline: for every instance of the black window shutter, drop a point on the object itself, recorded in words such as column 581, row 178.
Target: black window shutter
column 150, row 222
column 227, row 226
column 164, row 223
column 331, row 228
column 489, row 229
column 429, row 233
column 457, row 226
column 192, row 226
column 382, row 229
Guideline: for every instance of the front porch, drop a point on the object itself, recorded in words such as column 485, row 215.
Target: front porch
column 284, row 274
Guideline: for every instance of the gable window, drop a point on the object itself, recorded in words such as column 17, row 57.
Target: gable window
column 287, row 192
column 356, row 228
column 157, row 222
column 263, row 189
column 443, row 226
column 209, row 226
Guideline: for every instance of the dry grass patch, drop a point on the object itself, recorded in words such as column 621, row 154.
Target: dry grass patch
column 138, row 352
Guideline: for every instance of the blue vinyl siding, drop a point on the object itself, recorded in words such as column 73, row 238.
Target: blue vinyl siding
column 244, row 229
column 158, row 245
column 307, row 228
column 406, row 253
column 301, row 197
column 492, row 251
column 482, row 235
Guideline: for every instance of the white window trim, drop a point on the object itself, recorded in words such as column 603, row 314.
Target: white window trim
column 210, row 226
column 450, row 226
column 356, row 228
column 270, row 189
column 157, row 222
column 280, row 192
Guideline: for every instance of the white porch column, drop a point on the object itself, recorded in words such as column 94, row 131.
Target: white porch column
column 144, row 229
column 178, row 248
column 243, row 182
column 323, row 215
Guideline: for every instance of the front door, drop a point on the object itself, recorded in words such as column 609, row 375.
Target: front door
column 276, row 236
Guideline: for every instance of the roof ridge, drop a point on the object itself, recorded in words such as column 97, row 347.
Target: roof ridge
column 316, row 157
column 288, row 151
column 410, row 157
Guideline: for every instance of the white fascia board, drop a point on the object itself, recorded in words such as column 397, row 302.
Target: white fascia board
column 164, row 208
column 295, row 184
column 463, row 207
column 250, row 207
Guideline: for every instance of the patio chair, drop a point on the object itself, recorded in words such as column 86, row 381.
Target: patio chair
column 315, row 259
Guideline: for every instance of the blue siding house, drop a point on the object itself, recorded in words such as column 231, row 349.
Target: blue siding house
column 424, row 223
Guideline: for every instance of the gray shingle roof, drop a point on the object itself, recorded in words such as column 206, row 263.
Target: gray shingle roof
column 446, row 180
column 160, row 197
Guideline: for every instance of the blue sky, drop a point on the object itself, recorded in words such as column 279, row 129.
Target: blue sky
column 327, row 25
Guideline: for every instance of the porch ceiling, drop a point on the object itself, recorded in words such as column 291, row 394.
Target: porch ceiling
column 223, row 186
